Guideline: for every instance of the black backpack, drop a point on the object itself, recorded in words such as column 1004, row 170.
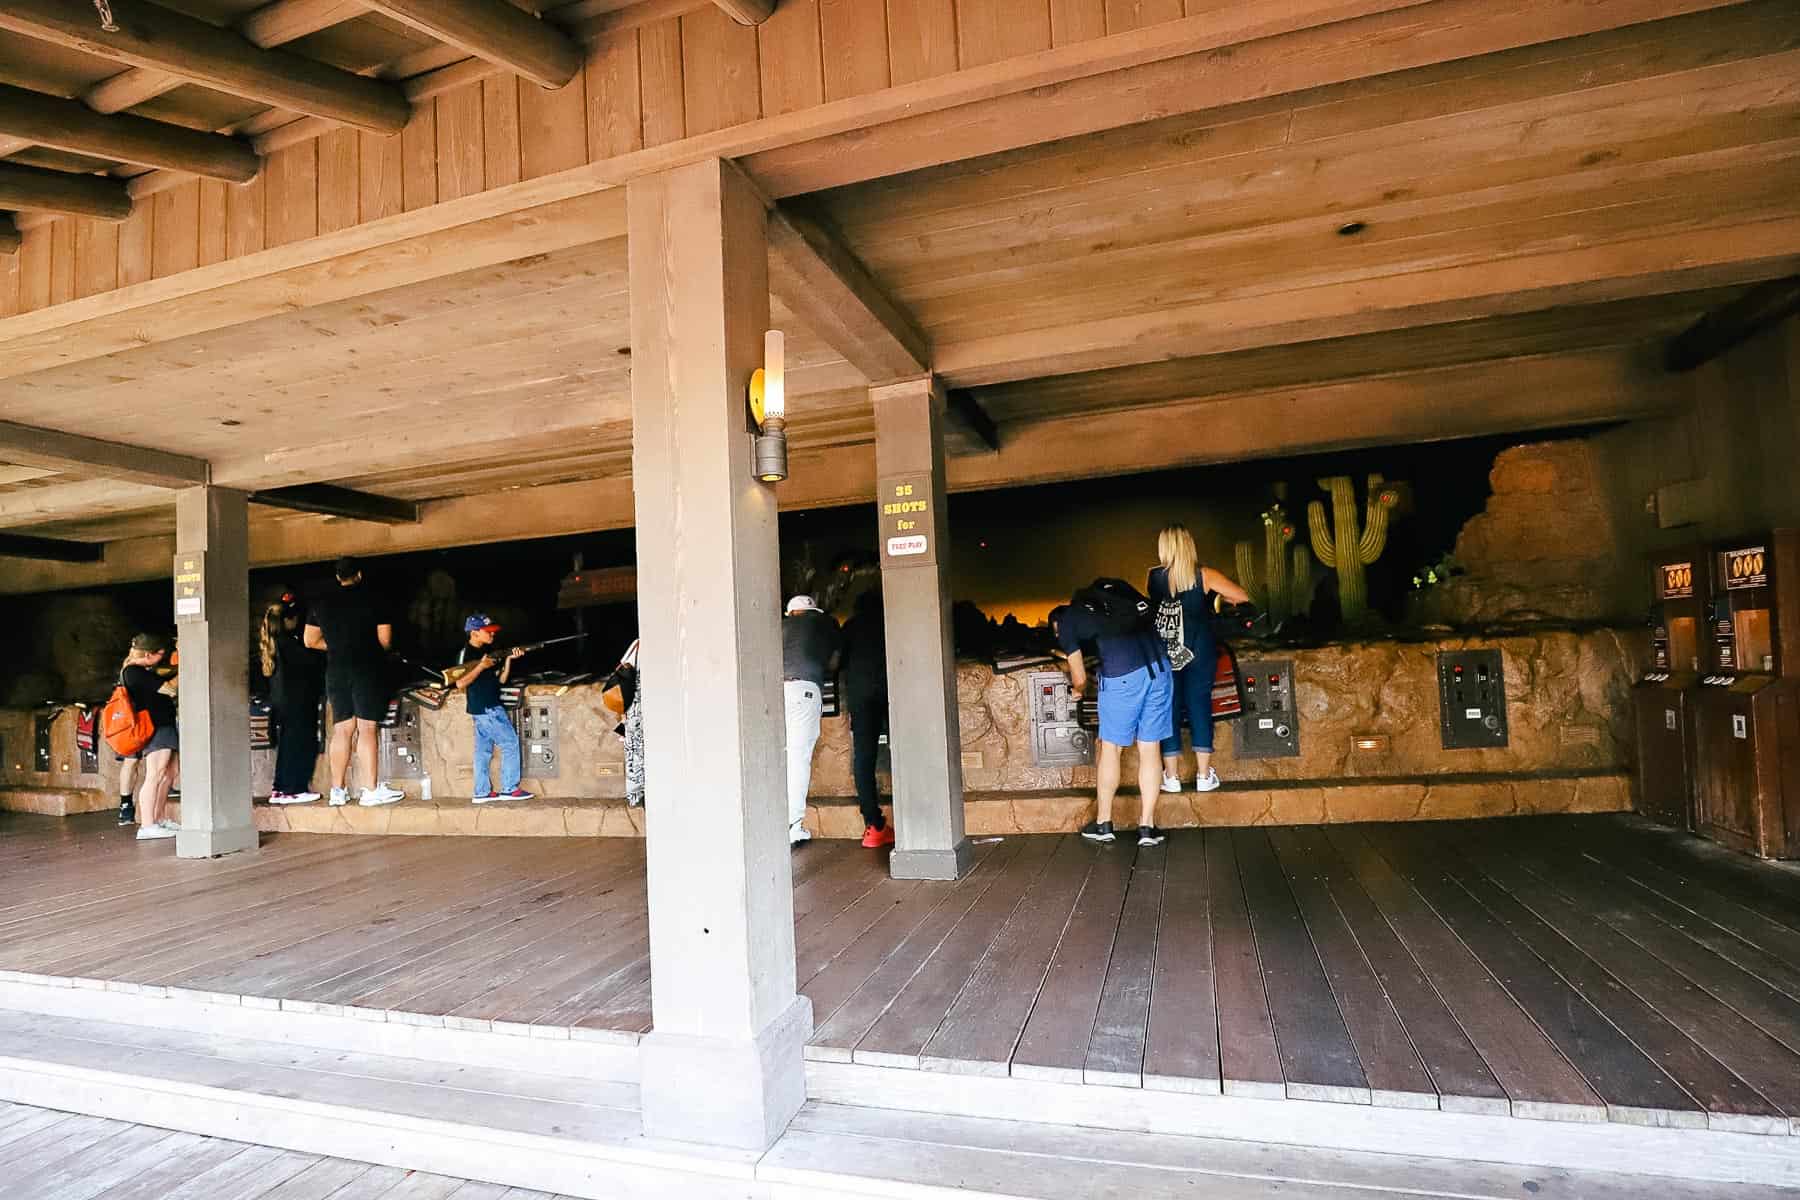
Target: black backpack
column 1116, row 609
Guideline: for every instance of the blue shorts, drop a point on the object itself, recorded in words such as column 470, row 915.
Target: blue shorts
column 1137, row 707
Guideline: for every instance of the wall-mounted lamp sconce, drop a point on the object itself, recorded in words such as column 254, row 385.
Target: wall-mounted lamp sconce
column 1371, row 743
column 768, row 409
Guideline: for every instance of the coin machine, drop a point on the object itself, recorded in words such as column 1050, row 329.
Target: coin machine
column 1664, row 699
column 1747, row 705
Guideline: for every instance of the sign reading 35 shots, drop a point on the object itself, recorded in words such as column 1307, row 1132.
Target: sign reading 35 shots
column 905, row 519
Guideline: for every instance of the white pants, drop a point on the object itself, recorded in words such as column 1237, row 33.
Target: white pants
column 805, row 701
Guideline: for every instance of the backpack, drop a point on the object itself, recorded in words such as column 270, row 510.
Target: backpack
column 1116, row 608
column 125, row 729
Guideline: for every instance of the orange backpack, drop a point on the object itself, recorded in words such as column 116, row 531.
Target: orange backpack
column 125, row 729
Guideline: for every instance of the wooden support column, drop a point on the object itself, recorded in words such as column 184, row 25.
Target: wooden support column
column 924, row 732
column 723, row 1064
column 213, row 523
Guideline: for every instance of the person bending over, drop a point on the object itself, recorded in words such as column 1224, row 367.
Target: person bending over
column 481, row 693
column 158, row 756
column 1135, row 696
column 355, row 635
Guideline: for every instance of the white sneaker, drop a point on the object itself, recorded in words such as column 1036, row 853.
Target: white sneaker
column 340, row 797
column 171, row 826
column 1171, row 783
column 797, row 833
column 297, row 798
column 1207, row 783
column 380, row 794
column 151, row 833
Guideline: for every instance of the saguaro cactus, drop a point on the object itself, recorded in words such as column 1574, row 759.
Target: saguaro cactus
column 1276, row 589
column 1345, row 548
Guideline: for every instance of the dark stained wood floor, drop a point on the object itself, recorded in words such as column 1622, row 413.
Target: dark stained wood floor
column 1572, row 967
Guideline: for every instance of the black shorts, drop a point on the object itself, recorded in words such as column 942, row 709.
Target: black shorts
column 356, row 694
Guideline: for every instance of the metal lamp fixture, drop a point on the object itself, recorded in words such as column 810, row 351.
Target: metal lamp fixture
column 768, row 407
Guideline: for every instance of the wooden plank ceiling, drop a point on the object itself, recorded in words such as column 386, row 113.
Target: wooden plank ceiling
column 1594, row 193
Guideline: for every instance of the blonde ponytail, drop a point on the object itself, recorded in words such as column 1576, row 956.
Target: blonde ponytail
column 1175, row 549
column 271, row 624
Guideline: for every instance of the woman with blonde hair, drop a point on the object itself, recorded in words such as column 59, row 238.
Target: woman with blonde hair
column 296, row 683
column 1183, row 592
column 145, row 687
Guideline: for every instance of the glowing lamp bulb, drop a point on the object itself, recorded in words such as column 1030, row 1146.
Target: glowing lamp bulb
column 774, row 376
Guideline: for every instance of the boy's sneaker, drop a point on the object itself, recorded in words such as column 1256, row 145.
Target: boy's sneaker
column 875, row 839
column 1171, row 783
column 340, row 797
column 797, row 833
column 1150, row 835
column 1208, row 782
column 515, row 794
column 380, row 794
column 151, row 833
column 1098, row 831
column 127, row 811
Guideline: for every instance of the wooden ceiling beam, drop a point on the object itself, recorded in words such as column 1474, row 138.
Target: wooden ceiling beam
column 149, row 35
column 22, row 545
column 329, row 500
column 1653, row 263
column 495, row 31
column 62, row 192
column 71, row 125
column 747, row 12
column 271, row 25
column 1760, row 308
column 968, row 427
column 833, row 294
column 30, row 446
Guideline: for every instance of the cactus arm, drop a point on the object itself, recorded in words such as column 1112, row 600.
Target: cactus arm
column 1246, row 571
column 1374, row 538
column 1321, row 535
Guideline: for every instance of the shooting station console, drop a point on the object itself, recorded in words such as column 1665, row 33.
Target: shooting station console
column 1664, row 699
column 1471, row 699
column 539, row 741
column 1747, row 711
column 1059, row 737
column 1269, row 728
column 400, row 751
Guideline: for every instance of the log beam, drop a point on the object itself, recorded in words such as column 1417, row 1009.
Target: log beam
column 149, row 35
column 23, row 545
column 495, row 31
column 332, row 501
column 62, row 192
column 822, row 283
column 29, row 446
column 747, row 12
column 1763, row 306
column 73, row 126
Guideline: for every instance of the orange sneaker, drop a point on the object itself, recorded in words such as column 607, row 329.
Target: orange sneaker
column 875, row 838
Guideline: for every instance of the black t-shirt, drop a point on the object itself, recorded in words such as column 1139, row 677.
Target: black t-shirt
column 865, row 653
column 483, row 693
column 348, row 618
column 299, row 672
column 141, row 684
column 1118, row 655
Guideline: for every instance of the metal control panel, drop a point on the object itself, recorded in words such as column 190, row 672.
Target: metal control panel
column 1471, row 699
column 1058, row 736
column 540, row 750
column 400, row 744
column 1269, row 728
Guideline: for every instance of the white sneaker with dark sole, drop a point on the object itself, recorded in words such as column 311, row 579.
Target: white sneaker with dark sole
column 296, row 798
column 1171, row 783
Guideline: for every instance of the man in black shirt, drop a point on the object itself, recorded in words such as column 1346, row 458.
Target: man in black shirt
column 481, row 693
column 866, row 699
column 355, row 634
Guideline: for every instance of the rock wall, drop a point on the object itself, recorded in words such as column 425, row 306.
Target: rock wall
column 1567, row 694
column 1546, row 546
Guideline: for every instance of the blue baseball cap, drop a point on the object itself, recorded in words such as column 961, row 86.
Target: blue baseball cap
column 478, row 621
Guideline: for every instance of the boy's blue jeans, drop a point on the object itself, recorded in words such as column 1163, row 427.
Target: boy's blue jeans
column 492, row 728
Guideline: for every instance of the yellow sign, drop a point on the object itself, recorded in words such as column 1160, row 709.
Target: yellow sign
column 1677, row 581
column 1746, row 568
column 190, row 587
column 905, row 521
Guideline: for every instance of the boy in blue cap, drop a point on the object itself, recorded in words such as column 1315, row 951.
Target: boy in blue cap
column 481, row 692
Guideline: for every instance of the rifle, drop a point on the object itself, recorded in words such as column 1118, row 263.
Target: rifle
column 454, row 675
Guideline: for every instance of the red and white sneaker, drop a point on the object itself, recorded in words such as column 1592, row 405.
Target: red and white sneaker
column 875, row 839
column 515, row 794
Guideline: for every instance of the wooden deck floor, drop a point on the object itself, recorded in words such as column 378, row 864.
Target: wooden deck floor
column 1576, row 968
